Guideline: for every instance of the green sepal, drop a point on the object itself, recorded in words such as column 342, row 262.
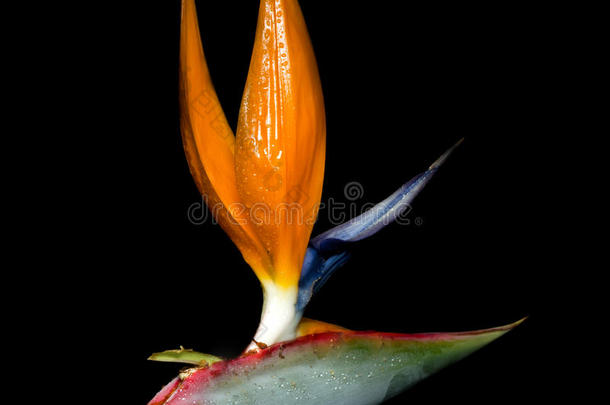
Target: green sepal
column 186, row 356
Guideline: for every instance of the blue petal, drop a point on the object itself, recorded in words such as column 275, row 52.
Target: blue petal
column 327, row 251
column 383, row 214
column 316, row 271
column 373, row 220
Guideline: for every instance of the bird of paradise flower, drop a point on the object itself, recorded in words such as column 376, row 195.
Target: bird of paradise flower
column 257, row 181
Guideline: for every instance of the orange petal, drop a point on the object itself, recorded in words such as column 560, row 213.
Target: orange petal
column 310, row 326
column 209, row 143
column 279, row 158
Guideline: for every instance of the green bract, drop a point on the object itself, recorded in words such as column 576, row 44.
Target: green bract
column 350, row 368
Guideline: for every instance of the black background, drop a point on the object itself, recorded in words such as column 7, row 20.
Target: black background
column 400, row 87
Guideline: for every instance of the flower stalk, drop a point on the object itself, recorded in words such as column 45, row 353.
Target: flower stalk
column 279, row 319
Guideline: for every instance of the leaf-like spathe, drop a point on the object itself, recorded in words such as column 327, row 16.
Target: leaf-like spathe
column 339, row 368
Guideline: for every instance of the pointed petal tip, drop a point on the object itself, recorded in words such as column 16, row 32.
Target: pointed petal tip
column 445, row 155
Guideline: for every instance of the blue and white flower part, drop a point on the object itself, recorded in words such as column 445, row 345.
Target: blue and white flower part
column 329, row 251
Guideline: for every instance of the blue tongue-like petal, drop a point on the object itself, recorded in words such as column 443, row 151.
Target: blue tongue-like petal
column 327, row 251
column 315, row 273
column 373, row 220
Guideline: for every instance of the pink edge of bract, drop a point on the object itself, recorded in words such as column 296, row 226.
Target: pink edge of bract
column 202, row 376
column 165, row 393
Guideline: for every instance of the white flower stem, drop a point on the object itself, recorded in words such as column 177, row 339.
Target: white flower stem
column 279, row 318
